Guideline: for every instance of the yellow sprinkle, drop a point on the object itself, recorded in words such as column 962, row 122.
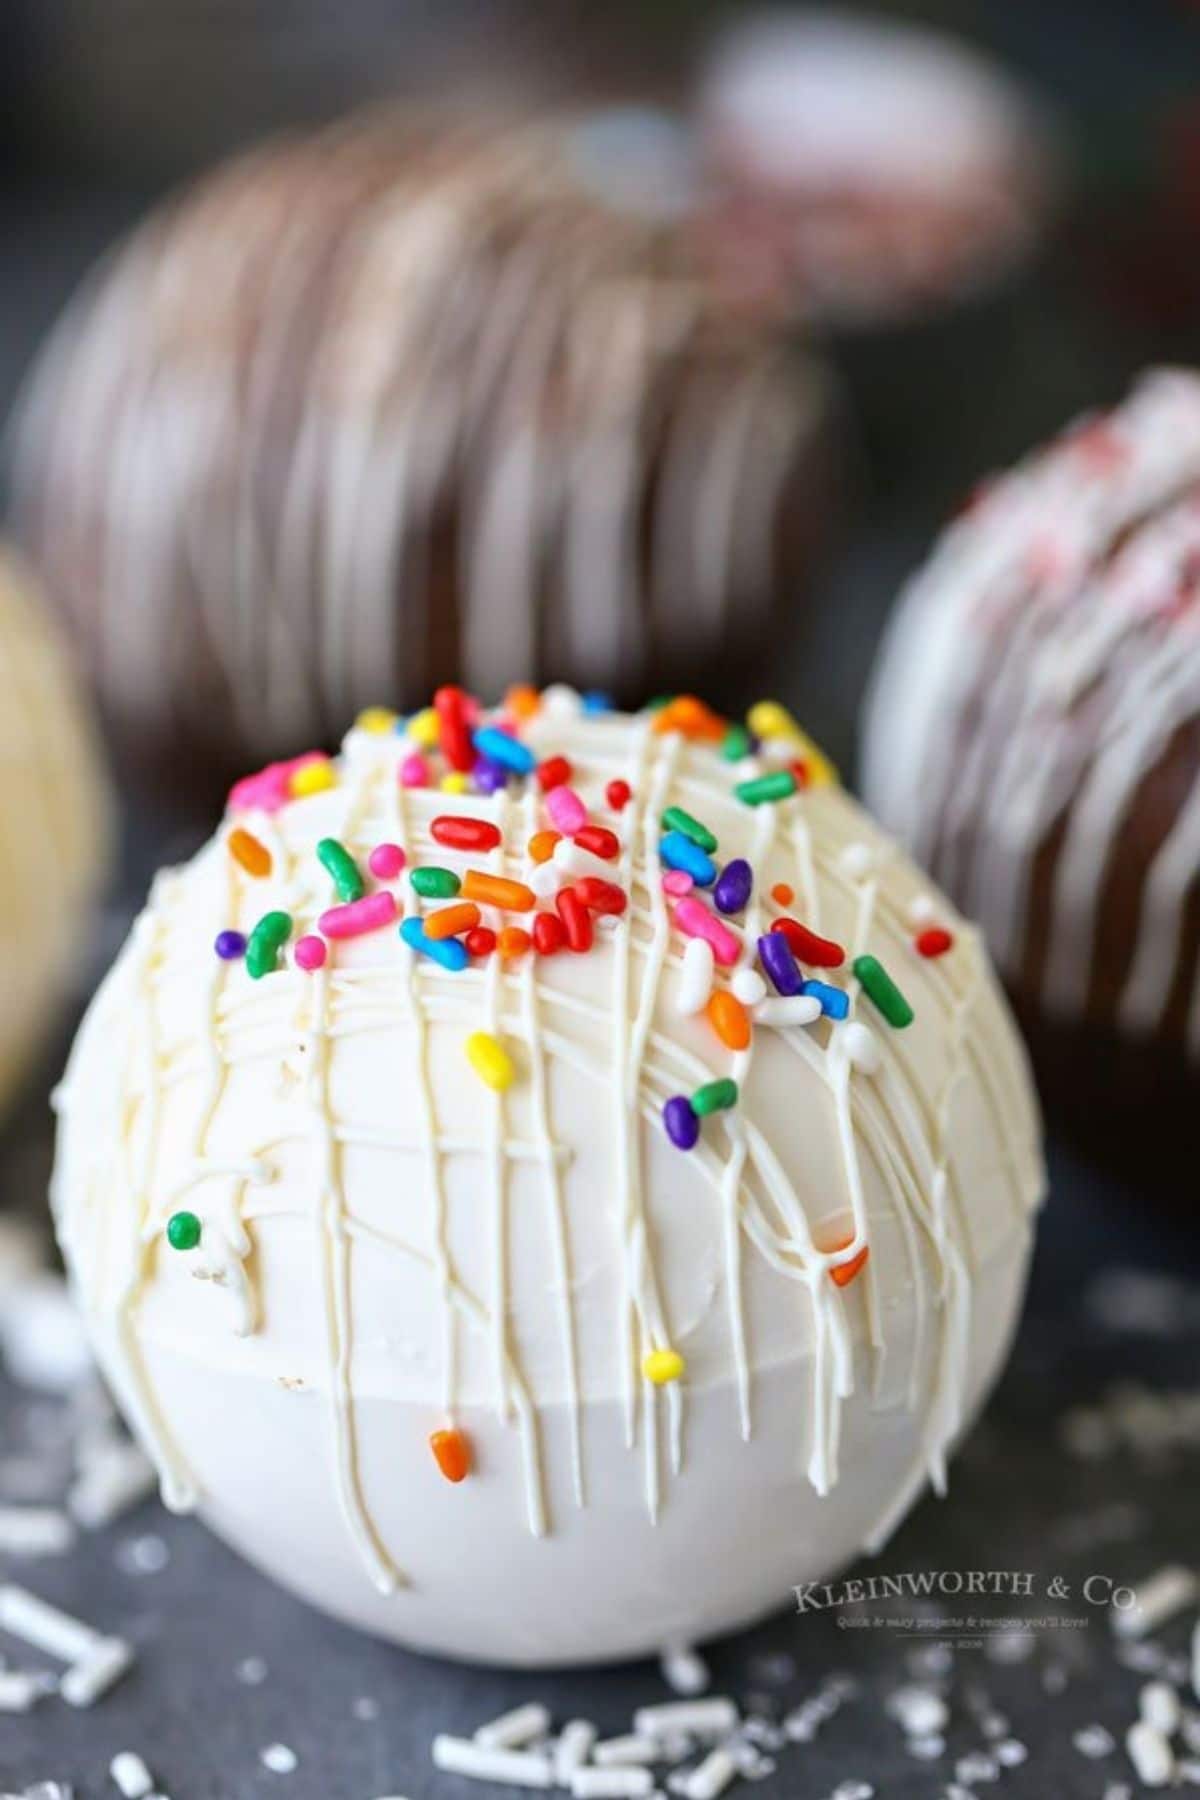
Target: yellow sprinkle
column 377, row 720
column 422, row 728
column 455, row 782
column 312, row 778
column 490, row 1060
column 770, row 719
column 662, row 1366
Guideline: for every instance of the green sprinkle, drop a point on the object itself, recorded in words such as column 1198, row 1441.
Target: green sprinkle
column 736, row 743
column 435, row 884
column 342, row 869
column 714, row 1096
column 183, row 1231
column 878, row 984
column 775, row 786
column 266, row 941
column 658, row 702
column 675, row 819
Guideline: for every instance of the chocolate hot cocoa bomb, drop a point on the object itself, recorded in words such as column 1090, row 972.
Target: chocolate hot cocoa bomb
column 409, row 401
column 1033, row 735
column 541, row 1222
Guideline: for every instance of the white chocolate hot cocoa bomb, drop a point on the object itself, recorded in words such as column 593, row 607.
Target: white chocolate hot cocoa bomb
column 668, row 1380
column 54, row 819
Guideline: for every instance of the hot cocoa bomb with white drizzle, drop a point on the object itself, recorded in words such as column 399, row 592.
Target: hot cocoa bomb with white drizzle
column 1033, row 736
column 525, row 1166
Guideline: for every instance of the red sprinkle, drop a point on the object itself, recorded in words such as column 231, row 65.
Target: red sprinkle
column 575, row 918
column 823, row 953
column 480, row 941
column 799, row 769
column 465, row 834
column 600, row 841
column 618, row 794
column 548, row 933
column 601, row 896
column 553, row 772
column 933, row 942
column 454, row 729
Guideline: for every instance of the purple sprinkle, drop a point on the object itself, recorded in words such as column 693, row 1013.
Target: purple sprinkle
column 776, row 957
column 488, row 776
column 230, row 945
column 683, row 1127
column 733, row 886
column 835, row 1001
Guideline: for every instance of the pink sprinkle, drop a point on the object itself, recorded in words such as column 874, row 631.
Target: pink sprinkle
column 310, row 952
column 677, row 882
column 566, row 810
column 414, row 771
column 269, row 789
column 386, row 861
column 694, row 918
column 357, row 916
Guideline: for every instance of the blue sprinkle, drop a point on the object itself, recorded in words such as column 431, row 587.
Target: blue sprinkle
column 595, row 701
column 835, row 1001
column 498, row 747
column 734, row 886
column 679, row 852
column 451, row 953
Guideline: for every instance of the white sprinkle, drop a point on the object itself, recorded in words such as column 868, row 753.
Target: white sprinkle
column 21, row 1688
column 922, row 909
column 1011, row 1753
column 366, row 1709
column 1166, row 1593
column 1196, row 1659
column 1159, row 1705
column 131, row 1775
column 611, row 1784
column 918, row 1711
column 799, row 1009
column 281, row 1759
column 634, row 1747
column 34, row 1531
column 685, row 1671
column 115, row 1479
column 90, row 1678
column 712, row 1777
column 145, row 1555
column 513, row 1730
column 976, row 1767
column 560, row 701
column 696, row 979
column 23, row 1615
column 1118, row 1790
column 513, row 1768
column 702, row 1718
column 252, row 1670
column 1150, row 1754
column 1094, row 1741
column 927, row 1748
column 573, row 1749
column 749, row 987
column 853, row 1790
column 572, row 859
column 862, row 1047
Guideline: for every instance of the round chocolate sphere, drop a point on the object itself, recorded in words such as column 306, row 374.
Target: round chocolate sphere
column 54, row 821
column 590, row 1206
column 412, row 399
column 871, row 170
column 1033, row 735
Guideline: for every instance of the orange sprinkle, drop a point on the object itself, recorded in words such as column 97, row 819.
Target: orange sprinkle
column 452, row 1453
column 843, row 1273
column 782, row 894
column 246, row 849
column 449, row 921
column 513, row 941
column 690, row 716
column 541, row 845
column 497, row 890
column 522, row 701
column 729, row 1019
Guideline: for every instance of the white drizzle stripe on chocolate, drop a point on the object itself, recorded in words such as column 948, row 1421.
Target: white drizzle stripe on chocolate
column 779, row 1207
